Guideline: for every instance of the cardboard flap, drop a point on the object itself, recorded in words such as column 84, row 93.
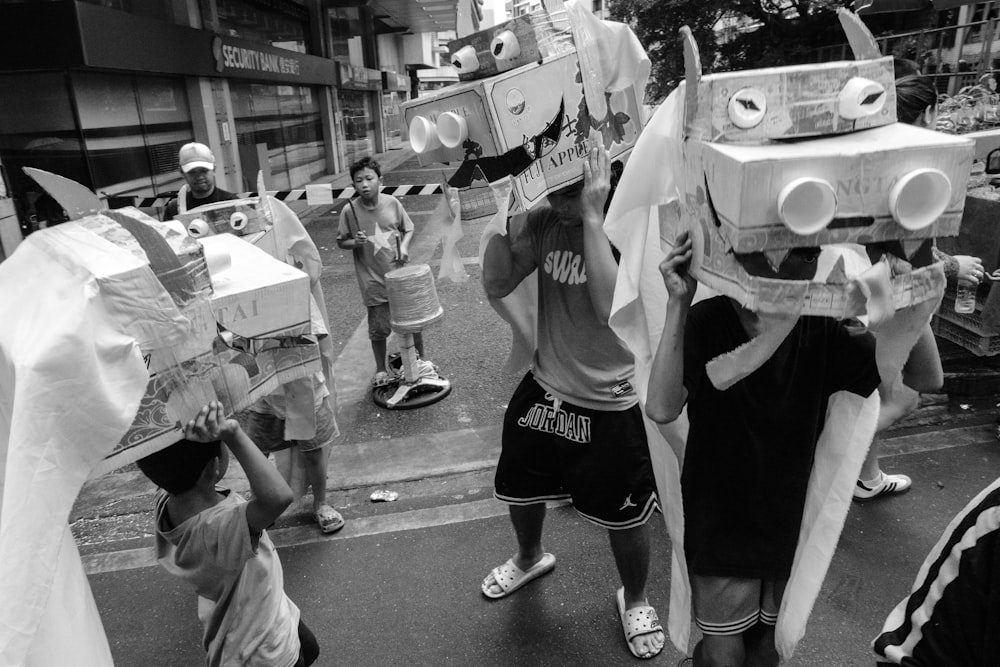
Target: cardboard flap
column 862, row 42
column 75, row 199
column 692, row 75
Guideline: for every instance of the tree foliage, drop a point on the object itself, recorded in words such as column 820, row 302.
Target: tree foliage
column 760, row 33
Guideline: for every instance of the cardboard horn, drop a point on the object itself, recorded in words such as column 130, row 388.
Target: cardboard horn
column 862, row 42
column 73, row 197
column 692, row 76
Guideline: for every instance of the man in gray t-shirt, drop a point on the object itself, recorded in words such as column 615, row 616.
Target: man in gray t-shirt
column 573, row 428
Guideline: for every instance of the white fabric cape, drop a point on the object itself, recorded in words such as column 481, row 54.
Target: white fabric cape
column 637, row 316
column 70, row 385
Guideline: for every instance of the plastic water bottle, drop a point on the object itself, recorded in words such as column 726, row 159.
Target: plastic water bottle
column 965, row 298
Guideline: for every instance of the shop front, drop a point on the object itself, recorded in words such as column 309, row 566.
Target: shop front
column 112, row 106
column 358, row 117
column 395, row 91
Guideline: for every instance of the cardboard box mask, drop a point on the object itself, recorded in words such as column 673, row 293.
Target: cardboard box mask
column 763, row 213
column 534, row 122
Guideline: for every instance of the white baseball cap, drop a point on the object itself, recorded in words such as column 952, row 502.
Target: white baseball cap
column 194, row 156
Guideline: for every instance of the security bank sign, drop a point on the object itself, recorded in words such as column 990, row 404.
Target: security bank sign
column 251, row 60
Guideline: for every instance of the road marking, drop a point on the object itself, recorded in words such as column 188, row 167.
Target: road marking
column 133, row 559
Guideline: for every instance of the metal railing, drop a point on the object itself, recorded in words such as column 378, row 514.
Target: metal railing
column 954, row 56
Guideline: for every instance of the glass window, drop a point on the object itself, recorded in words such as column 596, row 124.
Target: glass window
column 358, row 124
column 153, row 9
column 279, row 132
column 28, row 138
column 345, row 31
column 280, row 23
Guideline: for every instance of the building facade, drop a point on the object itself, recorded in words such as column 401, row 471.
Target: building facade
column 105, row 91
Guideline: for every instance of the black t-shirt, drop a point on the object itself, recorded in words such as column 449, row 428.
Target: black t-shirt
column 217, row 195
column 750, row 448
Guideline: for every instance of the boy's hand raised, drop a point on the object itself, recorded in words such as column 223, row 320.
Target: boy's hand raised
column 675, row 268
column 210, row 425
column 596, row 186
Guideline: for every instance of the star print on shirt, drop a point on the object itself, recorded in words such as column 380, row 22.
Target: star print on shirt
column 381, row 239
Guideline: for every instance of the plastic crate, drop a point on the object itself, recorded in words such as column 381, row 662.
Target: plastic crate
column 980, row 345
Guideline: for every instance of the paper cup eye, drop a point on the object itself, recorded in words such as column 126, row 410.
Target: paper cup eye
column 423, row 135
column 199, row 227
column 238, row 220
column 452, row 129
column 465, row 60
column 747, row 108
column 505, row 46
column 807, row 205
column 860, row 97
column 919, row 198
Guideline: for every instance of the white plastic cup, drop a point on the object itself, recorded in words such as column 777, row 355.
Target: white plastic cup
column 919, row 198
column 238, row 221
column 807, row 205
column 423, row 135
column 452, row 129
column 465, row 60
column 505, row 46
column 198, row 228
column 851, row 103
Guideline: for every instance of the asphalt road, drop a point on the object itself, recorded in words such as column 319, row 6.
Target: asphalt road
column 410, row 595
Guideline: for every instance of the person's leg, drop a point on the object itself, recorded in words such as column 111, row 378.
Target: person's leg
column 527, row 521
column 378, row 331
column 631, row 551
column 316, row 461
column 309, row 650
column 725, row 608
column 894, row 404
column 899, row 397
column 759, row 645
column 378, row 350
column 611, row 480
column 758, row 641
column 526, row 477
column 719, row 651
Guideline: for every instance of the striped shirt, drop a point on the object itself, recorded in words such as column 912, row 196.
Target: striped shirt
column 952, row 615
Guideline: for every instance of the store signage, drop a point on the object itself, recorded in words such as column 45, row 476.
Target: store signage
column 238, row 57
column 354, row 77
column 228, row 56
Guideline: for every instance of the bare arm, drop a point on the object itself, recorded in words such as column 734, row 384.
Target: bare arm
column 354, row 237
column 666, row 393
column 505, row 266
column 271, row 494
column 602, row 270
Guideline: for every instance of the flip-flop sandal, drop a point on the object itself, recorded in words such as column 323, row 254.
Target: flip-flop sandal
column 510, row 577
column 636, row 622
column 329, row 519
